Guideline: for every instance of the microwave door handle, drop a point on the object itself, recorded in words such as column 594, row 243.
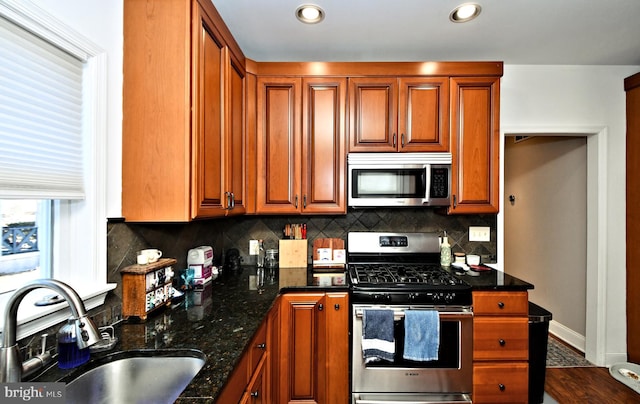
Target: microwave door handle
column 427, row 184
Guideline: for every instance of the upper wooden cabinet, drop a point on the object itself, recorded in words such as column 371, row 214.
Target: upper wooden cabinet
column 475, row 145
column 406, row 114
column 183, row 113
column 301, row 145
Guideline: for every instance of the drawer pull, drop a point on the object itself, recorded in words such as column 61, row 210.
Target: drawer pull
column 502, row 387
column 261, row 346
column 254, row 394
column 336, row 306
column 501, row 305
column 320, row 307
column 502, row 342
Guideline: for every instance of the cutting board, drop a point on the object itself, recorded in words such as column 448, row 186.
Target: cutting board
column 292, row 253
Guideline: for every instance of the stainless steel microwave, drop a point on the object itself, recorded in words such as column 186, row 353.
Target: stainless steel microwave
column 399, row 179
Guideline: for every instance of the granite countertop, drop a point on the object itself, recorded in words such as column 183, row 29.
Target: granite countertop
column 219, row 320
column 491, row 279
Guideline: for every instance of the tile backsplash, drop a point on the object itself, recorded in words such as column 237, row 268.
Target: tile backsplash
column 175, row 239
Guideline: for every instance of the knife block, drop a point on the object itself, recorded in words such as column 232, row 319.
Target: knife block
column 292, row 254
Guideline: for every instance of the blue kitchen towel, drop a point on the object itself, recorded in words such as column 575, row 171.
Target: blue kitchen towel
column 378, row 342
column 421, row 335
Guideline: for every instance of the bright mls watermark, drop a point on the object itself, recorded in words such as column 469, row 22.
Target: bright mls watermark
column 33, row 393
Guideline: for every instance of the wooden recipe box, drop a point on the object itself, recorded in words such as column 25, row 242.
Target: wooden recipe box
column 146, row 288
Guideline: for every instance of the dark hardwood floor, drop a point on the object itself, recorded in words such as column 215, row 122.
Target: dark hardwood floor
column 587, row 385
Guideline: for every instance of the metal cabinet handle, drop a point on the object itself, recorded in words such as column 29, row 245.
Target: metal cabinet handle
column 502, row 387
column 233, row 200
column 255, row 393
column 455, row 202
column 304, row 201
column 261, row 346
column 394, row 140
column 296, row 202
column 502, row 342
column 320, row 307
column 336, row 306
column 501, row 305
column 402, row 139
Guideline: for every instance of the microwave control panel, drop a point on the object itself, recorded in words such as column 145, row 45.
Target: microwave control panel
column 439, row 182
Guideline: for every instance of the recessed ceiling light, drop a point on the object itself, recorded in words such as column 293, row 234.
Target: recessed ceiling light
column 310, row 13
column 465, row 12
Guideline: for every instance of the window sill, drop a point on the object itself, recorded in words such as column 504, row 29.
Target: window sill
column 33, row 319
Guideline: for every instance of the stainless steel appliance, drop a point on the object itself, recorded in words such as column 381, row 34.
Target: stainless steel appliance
column 399, row 179
column 400, row 272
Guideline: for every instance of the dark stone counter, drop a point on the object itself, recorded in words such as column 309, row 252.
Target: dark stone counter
column 219, row 320
column 491, row 279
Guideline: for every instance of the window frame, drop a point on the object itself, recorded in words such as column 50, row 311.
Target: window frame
column 80, row 230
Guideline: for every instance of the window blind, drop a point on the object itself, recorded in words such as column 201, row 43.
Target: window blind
column 40, row 118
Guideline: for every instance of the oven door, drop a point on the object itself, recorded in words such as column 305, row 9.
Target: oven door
column 451, row 374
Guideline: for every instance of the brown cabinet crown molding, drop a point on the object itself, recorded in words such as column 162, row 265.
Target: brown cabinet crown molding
column 394, row 69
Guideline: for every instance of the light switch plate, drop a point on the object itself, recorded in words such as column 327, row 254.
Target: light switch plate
column 479, row 233
column 254, row 247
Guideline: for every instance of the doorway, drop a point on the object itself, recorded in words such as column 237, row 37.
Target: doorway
column 593, row 342
column 545, row 222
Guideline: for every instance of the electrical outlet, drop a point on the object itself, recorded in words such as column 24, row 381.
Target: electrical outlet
column 479, row 233
column 254, row 247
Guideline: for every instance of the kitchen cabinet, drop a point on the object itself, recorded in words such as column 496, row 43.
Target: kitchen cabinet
column 314, row 348
column 500, row 347
column 248, row 382
column 183, row 113
column 301, row 145
column 475, row 145
column 405, row 114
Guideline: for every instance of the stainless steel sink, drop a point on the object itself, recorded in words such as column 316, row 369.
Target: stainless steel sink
column 139, row 376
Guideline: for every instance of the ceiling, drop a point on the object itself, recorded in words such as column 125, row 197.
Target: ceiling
column 552, row 32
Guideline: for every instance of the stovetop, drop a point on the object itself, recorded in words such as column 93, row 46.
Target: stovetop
column 401, row 268
column 401, row 274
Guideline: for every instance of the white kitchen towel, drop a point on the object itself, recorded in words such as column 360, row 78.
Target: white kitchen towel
column 421, row 335
column 378, row 342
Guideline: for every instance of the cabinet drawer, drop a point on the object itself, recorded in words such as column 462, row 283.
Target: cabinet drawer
column 500, row 303
column 502, row 383
column 500, row 338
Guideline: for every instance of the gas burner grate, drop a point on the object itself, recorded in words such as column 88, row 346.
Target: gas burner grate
column 389, row 273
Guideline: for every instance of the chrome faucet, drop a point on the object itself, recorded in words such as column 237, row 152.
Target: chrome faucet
column 11, row 365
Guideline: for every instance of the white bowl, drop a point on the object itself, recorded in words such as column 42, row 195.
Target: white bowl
column 473, row 259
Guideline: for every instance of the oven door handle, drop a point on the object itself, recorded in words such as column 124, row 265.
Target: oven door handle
column 459, row 312
column 435, row 400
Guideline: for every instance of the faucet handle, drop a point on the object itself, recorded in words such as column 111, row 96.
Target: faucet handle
column 43, row 339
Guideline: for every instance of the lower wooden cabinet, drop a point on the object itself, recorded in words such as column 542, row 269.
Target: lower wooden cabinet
column 248, row 382
column 501, row 382
column 314, row 348
column 300, row 354
column 500, row 347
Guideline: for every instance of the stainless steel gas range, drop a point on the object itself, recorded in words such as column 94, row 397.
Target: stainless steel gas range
column 412, row 322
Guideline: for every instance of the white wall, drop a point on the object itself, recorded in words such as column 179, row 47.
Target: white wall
column 533, row 96
column 539, row 97
column 100, row 21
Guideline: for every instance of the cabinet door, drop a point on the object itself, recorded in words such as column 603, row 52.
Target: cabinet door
column 373, row 105
column 423, row 114
column 235, row 147
column 323, row 145
column 302, row 325
column 207, row 140
column 475, row 144
column 257, row 388
column 278, row 145
column 336, row 350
